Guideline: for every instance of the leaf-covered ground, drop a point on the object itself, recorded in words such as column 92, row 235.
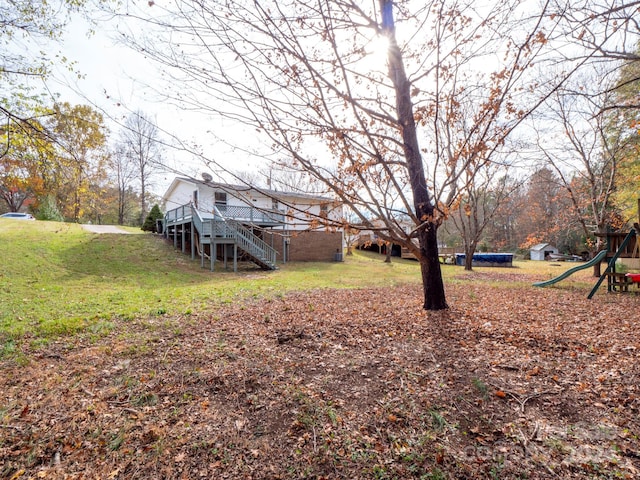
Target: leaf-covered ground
column 509, row 383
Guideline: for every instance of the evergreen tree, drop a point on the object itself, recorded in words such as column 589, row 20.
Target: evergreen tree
column 150, row 223
column 48, row 209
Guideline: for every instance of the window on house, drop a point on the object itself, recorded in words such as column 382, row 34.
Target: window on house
column 221, row 199
column 324, row 210
column 275, row 205
column 195, row 198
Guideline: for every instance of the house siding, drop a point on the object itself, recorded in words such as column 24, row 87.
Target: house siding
column 299, row 212
column 301, row 234
column 181, row 194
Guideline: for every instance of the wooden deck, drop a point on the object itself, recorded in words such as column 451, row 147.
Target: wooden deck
column 214, row 235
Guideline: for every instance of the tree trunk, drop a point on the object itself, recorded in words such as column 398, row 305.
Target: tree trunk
column 596, row 270
column 434, row 295
column 600, row 244
column 143, row 204
column 468, row 262
column 432, row 285
column 468, row 257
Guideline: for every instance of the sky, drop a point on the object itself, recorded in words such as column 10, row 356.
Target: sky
column 114, row 80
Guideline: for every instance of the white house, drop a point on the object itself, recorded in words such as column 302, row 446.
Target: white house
column 296, row 226
column 302, row 211
column 541, row 251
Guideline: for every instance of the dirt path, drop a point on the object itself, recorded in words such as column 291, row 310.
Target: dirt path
column 104, row 229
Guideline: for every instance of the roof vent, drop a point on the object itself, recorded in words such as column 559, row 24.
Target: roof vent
column 206, row 177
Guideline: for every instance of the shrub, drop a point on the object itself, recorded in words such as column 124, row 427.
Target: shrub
column 149, row 224
column 48, row 210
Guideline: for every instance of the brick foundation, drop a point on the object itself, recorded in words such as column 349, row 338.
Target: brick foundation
column 317, row 246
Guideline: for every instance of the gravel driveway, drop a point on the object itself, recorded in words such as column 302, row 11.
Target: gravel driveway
column 104, row 229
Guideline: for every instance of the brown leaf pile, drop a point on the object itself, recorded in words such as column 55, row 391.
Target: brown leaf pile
column 509, row 383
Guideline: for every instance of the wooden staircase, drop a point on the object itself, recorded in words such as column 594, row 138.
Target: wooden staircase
column 215, row 229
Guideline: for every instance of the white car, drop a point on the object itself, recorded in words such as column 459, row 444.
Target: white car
column 17, row 216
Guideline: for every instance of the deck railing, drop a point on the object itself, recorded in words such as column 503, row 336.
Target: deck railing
column 233, row 212
column 250, row 214
column 204, row 227
column 185, row 213
column 253, row 245
column 219, row 225
column 181, row 213
column 245, row 239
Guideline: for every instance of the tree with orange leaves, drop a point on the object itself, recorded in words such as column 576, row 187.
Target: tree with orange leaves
column 398, row 138
column 21, row 180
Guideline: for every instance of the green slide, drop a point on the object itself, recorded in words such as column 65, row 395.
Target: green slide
column 595, row 260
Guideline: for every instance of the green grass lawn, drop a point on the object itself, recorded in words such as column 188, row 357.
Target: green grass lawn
column 56, row 278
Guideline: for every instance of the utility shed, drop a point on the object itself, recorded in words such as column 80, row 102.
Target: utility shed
column 541, row 250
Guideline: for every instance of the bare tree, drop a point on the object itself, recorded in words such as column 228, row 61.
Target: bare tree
column 586, row 153
column 124, row 173
column 305, row 77
column 351, row 234
column 249, row 177
column 607, row 28
column 480, row 201
column 286, row 179
column 140, row 140
column 504, row 231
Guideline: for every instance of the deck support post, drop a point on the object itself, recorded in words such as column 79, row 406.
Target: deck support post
column 212, row 254
column 182, row 237
column 235, row 257
column 193, row 243
column 225, row 253
column 201, row 250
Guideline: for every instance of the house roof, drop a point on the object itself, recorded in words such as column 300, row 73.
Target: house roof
column 247, row 188
column 541, row 246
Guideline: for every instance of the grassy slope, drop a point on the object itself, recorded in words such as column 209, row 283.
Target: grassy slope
column 56, row 278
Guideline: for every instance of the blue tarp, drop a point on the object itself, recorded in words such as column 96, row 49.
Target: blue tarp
column 487, row 259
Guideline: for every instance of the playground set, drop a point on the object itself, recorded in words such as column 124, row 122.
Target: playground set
column 619, row 245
